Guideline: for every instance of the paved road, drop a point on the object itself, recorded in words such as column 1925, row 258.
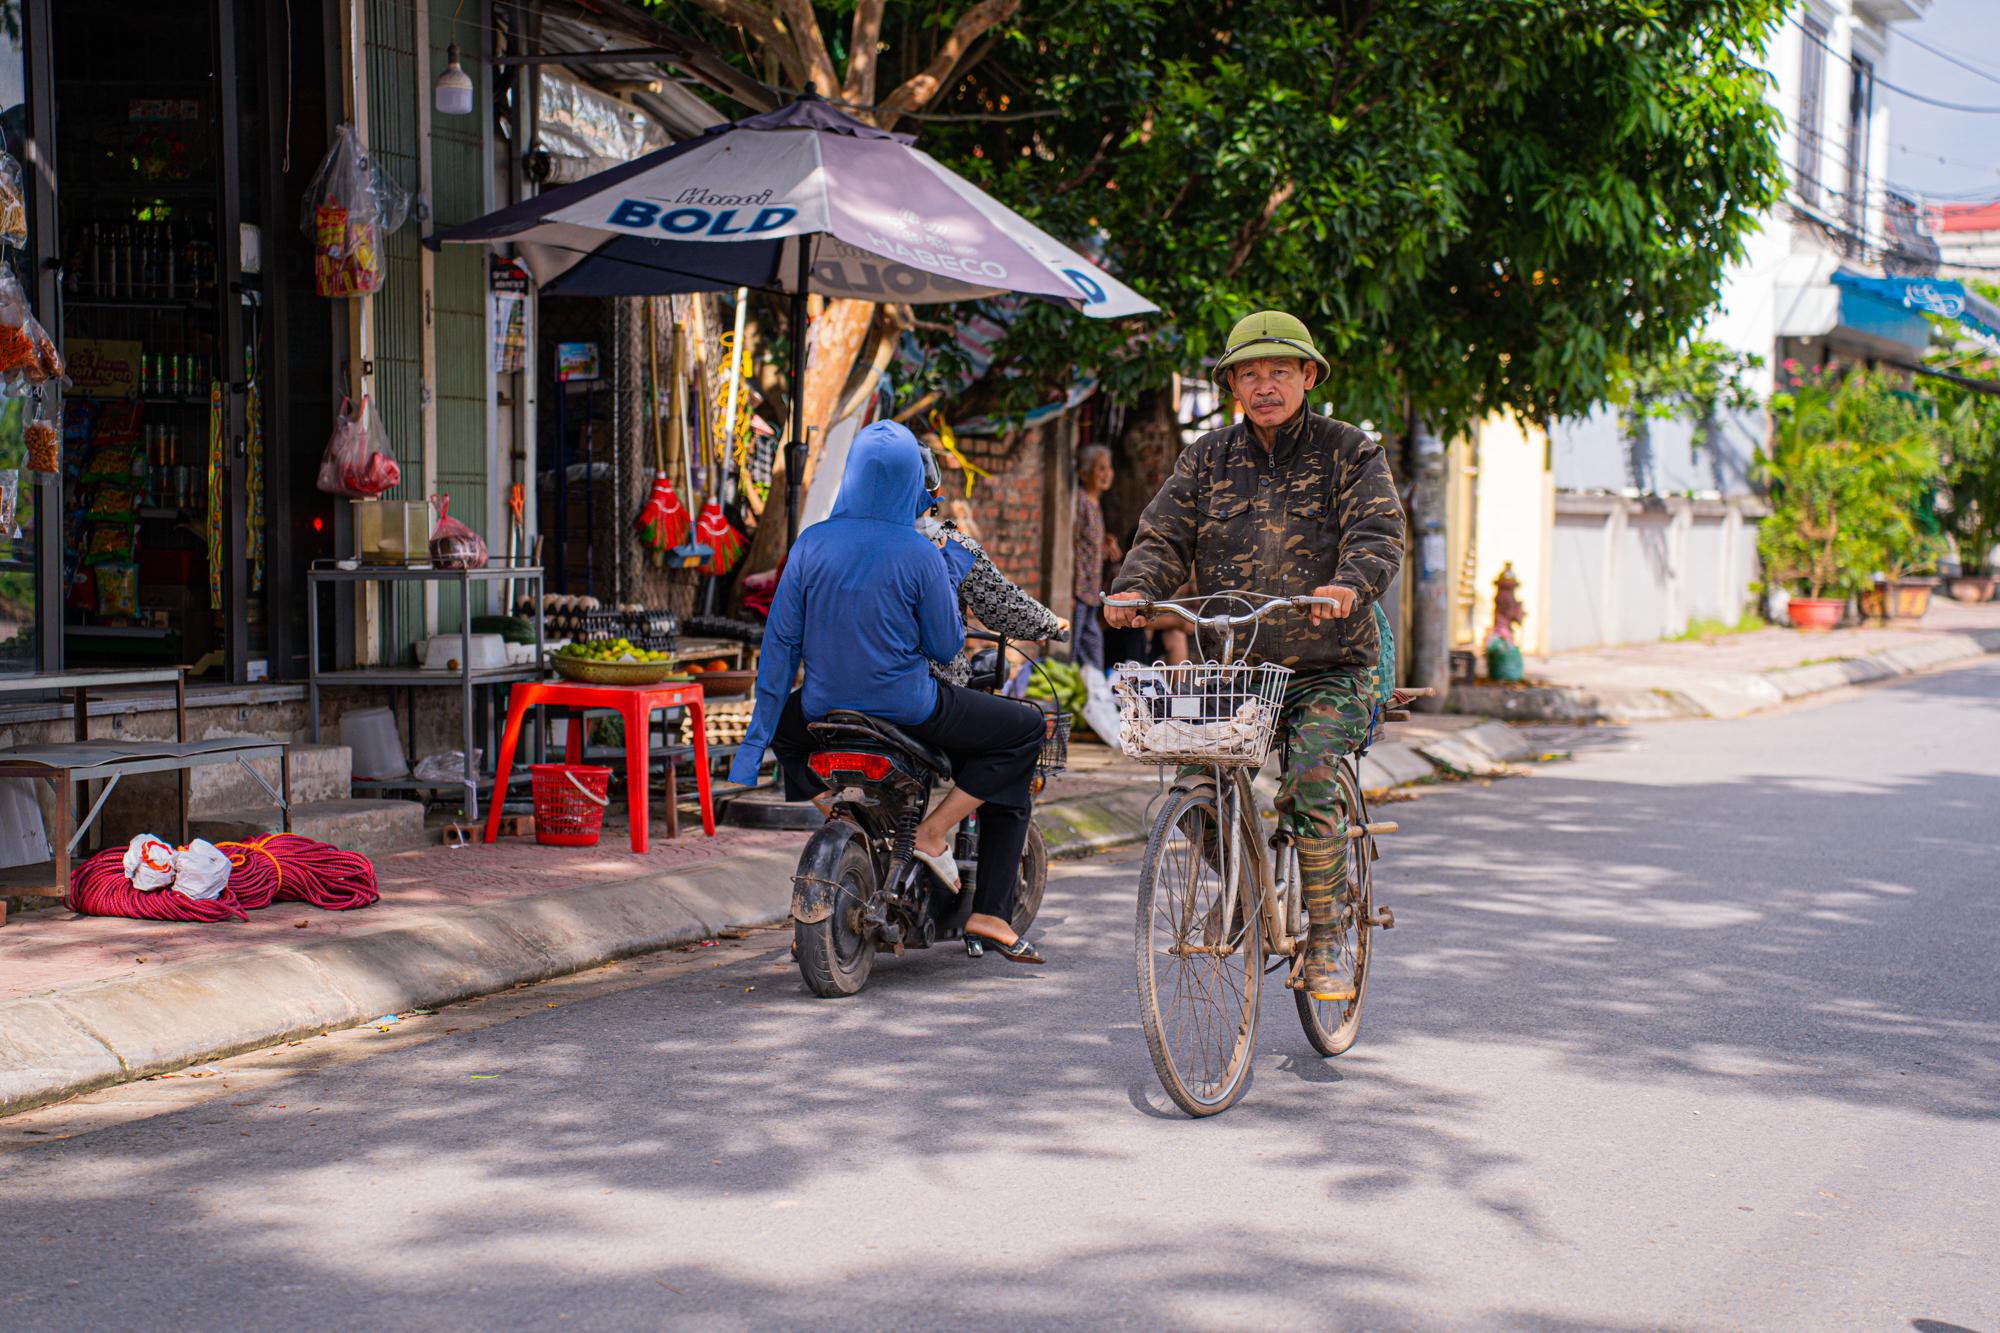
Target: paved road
column 1701, row 1030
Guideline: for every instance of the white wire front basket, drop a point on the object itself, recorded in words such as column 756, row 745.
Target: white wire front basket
column 1199, row 712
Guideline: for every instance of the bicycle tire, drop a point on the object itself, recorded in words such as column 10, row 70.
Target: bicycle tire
column 1196, row 1018
column 835, row 955
column 1332, row 1025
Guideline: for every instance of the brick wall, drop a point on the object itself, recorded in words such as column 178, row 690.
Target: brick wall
column 1006, row 509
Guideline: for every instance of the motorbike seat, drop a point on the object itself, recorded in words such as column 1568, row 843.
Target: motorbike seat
column 843, row 721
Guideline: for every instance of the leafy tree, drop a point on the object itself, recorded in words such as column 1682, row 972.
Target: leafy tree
column 1478, row 204
column 1849, row 465
column 1969, row 437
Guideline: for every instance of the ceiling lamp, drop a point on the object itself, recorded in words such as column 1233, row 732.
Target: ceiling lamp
column 454, row 86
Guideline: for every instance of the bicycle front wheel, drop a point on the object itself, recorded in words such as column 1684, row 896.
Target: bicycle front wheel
column 1332, row 1025
column 1200, row 953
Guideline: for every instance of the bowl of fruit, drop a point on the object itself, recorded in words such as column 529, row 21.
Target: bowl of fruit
column 611, row 662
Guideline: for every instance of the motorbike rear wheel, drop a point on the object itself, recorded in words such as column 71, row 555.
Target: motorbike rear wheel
column 837, row 954
column 1034, row 881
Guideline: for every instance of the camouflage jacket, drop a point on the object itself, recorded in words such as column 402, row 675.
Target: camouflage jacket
column 1319, row 507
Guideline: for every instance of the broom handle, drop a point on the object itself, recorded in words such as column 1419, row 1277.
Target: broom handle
column 735, row 383
column 653, row 398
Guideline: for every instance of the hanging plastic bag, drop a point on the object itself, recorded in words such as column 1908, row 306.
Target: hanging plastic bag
column 354, row 465
column 453, row 545
column 43, row 440
column 28, row 356
column 351, row 204
column 13, row 203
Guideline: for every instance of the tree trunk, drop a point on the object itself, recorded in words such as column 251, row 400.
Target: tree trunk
column 1430, row 646
column 838, row 336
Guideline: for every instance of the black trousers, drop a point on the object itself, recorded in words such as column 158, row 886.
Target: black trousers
column 992, row 743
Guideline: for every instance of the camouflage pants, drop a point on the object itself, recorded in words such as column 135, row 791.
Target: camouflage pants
column 1327, row 715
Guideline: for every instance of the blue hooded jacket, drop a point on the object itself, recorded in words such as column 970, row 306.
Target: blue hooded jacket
column 866, row 601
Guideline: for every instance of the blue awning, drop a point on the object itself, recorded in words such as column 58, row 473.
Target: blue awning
column 1904, row 297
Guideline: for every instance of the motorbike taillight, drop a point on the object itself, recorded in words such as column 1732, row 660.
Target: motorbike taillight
column 874, row 767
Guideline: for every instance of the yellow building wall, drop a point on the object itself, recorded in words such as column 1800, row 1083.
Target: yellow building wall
column 1512, row 520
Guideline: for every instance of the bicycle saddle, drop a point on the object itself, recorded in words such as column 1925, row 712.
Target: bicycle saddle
column 846, row 722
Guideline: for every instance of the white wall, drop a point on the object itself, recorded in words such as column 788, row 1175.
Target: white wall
column 1632, row 571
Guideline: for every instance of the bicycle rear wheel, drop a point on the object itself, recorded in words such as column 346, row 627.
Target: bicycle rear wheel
column 1199, row 953
column 1332, row 1025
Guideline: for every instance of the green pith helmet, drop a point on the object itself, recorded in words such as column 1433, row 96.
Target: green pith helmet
column 1268, row 333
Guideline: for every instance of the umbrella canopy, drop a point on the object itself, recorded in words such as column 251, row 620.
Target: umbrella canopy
column 798, row 199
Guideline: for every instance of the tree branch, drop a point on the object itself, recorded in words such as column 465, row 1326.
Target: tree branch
column 923, row 86
column 1246, row 239
column 813, row 56
column 864, row 49
column 762, row 25
column 1089, row 168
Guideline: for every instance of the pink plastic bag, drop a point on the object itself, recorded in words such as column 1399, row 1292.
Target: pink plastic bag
column 352, row 464
column 453, row 545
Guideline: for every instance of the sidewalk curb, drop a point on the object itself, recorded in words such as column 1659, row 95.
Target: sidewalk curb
column 65, row 1043
column 1724, row 694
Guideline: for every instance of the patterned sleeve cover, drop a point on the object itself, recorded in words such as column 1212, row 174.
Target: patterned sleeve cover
column 998, row 604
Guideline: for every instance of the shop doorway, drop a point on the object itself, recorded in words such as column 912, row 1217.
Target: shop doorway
column 175, row 155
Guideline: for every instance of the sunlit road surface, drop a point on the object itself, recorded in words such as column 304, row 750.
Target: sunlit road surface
column 1699, row 1030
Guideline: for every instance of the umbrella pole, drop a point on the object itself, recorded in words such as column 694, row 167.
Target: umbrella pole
column 795, row 452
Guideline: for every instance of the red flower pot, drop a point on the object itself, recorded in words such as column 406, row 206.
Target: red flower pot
column 1816, row 612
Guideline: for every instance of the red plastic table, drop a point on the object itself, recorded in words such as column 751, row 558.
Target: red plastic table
column 636, row 704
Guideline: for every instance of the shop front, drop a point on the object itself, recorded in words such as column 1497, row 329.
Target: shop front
column 165, row 146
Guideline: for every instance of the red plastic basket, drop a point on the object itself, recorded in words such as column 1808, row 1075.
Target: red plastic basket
column 569, row 803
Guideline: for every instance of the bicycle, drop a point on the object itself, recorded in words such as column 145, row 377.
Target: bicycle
column 1212, row 909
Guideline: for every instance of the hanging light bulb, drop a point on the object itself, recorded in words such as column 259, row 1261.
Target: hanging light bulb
column 454, row 86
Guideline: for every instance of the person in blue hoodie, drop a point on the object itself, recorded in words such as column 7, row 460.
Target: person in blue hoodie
column 866, row 604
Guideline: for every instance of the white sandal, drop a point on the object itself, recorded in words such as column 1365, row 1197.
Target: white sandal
column 944, row 867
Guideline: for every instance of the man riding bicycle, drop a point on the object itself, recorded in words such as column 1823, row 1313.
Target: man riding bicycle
column 1286, row 498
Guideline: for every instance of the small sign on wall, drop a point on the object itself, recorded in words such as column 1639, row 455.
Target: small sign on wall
column 102, row 368
column 576, row 361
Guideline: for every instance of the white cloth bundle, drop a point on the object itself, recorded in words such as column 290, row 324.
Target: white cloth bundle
column 198, row 870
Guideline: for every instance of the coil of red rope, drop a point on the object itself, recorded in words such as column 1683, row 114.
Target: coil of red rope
column 290, row 867
column 279, row 867
column 98, row 887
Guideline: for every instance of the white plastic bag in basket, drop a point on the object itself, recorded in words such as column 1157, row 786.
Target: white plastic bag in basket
column 1100, row 711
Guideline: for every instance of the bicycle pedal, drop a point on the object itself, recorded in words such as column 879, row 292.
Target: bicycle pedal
column 1382, row 918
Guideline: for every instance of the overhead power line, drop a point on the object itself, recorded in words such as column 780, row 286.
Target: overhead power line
column 1881, row 82
column 1967, row 65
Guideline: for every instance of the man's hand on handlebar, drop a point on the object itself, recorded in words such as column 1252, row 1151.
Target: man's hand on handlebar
column 1336, row 593
column 1123, row 613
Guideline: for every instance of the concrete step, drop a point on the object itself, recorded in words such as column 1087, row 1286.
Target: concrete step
column 147, row 804
column 375, row 827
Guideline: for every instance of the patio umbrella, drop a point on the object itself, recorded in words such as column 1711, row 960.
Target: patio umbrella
column 796, row 200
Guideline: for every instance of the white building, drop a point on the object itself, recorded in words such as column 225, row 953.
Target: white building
column 1794, row 295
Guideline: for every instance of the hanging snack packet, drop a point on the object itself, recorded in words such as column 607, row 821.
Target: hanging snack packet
column 43, row 440
column 13, row 203
column 110, row 543
column 118, row 590
column 10, row 502
column 351, row 204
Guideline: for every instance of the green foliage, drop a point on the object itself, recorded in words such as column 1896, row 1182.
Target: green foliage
column 1701, row 628
column 1850, row 465
column 1477, row 204
column 1695, row 381
column 1968, row 427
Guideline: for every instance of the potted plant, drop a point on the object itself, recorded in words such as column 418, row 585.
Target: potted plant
column 1848, row 465
column 1969, row 431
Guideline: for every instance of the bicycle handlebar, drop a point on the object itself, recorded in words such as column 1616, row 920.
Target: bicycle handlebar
column 1146, row 607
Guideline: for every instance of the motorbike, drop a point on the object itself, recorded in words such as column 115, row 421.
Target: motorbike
column 859, row 889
